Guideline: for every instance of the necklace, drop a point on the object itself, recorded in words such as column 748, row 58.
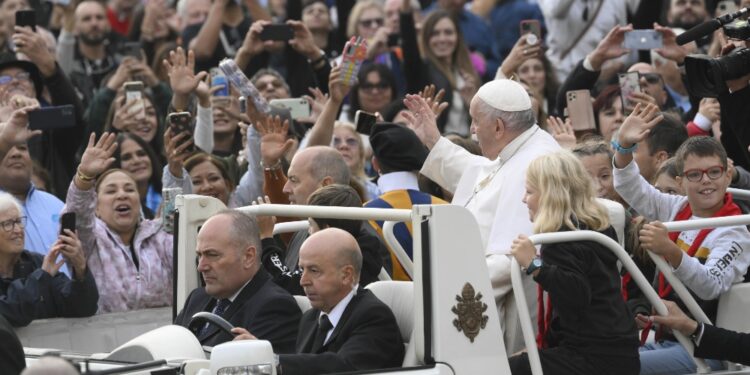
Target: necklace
column 490, row 176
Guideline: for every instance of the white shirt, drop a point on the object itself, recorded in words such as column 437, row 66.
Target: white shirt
column 398, row 181
column 337, row 311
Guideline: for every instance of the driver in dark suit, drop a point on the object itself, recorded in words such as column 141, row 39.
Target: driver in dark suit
column 237, row 287
column 348, row 329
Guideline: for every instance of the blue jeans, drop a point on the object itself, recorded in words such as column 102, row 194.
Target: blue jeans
column 670, row 358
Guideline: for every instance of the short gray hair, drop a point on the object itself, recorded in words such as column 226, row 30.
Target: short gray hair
column 244, row 230
column 329, row 162
column 516, row 120
column 7, row 201
column 270, row 72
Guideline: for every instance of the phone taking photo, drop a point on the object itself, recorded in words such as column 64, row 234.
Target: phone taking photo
column 298, row 107
column 50, row 118
column 180, row 122
column 643, row 40
column 629, row 84
column 280, row 32
column 26, row 18
column 580, row 110
column 364, row 121
column 68, row 221
column 531, row 27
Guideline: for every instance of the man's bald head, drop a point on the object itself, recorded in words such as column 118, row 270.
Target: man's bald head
column 331, row 263
column 313, row 168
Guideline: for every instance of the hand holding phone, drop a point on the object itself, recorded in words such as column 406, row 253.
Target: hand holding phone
column 643, row 40
column 26, row 18
column 277, row 32
column 355, row 52
column 68, row 221
column 50, row 118
column 629, row 83
column 364, row 121
column 580, row 110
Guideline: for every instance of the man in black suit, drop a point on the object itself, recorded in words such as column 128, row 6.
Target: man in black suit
column 12, row 359
column 710, row 342
column 348, row 329
column 237, row 287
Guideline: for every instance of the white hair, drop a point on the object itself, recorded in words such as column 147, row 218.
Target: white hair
column 8, row 201
column 516, row 120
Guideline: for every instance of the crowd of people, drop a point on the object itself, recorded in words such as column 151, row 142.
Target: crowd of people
column 473, row 108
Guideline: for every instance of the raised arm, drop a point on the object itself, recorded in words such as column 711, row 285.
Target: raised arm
column 14, row 131
column 322, row 132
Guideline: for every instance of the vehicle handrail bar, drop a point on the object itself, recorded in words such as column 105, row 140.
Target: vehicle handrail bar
column 627, row 262
column 739, row 194
column 290, row 227
column 351, row 213
column 398, row 250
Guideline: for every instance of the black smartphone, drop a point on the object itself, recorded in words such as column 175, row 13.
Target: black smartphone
column 394, row 40
column 364, row 121
column 132, row 49
column 180, row 122
column 68, row 221
column 279, row 32
column 26, row 18
column 50, row 118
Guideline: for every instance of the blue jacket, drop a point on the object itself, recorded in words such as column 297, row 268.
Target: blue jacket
column 32, row 293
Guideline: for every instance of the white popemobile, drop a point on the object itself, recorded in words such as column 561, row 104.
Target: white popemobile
column 446, row 315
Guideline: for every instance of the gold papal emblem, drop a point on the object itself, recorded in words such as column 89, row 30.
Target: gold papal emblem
column 470, row 310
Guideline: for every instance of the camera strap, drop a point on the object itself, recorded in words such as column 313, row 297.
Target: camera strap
column 591, row 19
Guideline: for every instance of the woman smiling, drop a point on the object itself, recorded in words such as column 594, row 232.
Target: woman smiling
column 131, row 259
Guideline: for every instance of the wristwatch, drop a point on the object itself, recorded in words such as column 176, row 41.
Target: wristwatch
column 535, row 264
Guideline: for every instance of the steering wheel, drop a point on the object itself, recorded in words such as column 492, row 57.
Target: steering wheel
column 212, row 318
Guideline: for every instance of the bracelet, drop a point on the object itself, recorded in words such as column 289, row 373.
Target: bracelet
column 318, row 60
column 83, row 177
column 623, row 150
column 276, row 166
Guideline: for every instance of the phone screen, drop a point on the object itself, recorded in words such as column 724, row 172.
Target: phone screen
column 365, row 121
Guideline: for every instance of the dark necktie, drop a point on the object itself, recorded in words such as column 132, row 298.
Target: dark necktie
column 324, row 325
column 219, row 309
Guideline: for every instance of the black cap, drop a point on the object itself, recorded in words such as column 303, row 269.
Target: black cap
column 8, row 60
column 397, row 148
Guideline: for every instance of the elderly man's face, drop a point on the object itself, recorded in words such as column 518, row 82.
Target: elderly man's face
column 15, row 170
column 651, row 82
column 323, row 278
column 485, row 130
column 271, row 87
column 15, row 81
column 301, row 181
column 225, row 267
column 686, row 13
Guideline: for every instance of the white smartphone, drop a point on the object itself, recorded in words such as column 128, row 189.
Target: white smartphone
column 629, row 83
column 298, row 107
column 134, row 92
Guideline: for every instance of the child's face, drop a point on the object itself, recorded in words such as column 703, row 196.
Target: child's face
column 599, row 167
column 668, row 185
column 706, row 196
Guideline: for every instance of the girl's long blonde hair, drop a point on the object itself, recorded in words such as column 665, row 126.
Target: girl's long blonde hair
column 567, row 199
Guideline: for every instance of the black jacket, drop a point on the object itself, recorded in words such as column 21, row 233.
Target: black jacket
column 12, row 359
column 589, row 313
column 366, row 337
column 735, row 126
column 263, row 308
column 721, row 344
column 33, row 294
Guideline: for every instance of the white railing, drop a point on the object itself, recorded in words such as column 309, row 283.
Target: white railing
column 627, row 262
column 739, row 194
column 398, row 250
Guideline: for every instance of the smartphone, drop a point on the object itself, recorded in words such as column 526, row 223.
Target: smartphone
column 68, row 221
column 726, row 6
column 180, row 122
column 243, row 104
column 220, row 80
column 364, row 121
column 394, row 40
column 531, row 27
column 629, row 83
column 580, row 110
column 132, row 49
column 352, row 57
column 50, row 118
column 278, row 32
column 643, row 40
column 298, row 107
column 133, row 90
column 26, row 18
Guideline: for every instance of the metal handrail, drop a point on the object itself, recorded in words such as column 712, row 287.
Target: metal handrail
column 290, row 226
column 351, row 213
column 627, row 262
column 398, row 250
column 739, row 194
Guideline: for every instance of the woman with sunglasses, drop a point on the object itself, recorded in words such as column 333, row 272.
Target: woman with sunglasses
column 31, row 284
column 374, row 91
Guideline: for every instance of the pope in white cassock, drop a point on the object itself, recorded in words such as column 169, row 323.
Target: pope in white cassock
column 490, row 186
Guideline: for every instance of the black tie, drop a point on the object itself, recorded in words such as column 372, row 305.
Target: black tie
column 219, row 309
column 324, row 325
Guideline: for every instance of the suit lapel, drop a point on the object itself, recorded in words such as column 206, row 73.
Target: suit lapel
column 308, row 327
column 344, row 319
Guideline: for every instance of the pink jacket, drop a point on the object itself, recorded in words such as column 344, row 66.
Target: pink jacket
column 121, row 285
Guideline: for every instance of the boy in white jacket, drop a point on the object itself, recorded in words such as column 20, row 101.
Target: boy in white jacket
column 707, row 261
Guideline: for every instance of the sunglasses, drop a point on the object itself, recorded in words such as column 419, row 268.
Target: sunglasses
column 372, row 22
column 695, row 175
column 369, row 86
column 651, row 78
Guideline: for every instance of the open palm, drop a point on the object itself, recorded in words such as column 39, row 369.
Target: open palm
column 180, row 68
column 273, row 141
column 636, row 127
column 98, row 155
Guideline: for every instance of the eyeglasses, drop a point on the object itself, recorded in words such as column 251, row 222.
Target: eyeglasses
column 369, row 86
column 351, row 142
column 9, row 224
column 372, row 22
column 651, row 78
column 695, row 175
column 20, row 76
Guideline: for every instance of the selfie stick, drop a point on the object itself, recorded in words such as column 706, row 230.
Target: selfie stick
column 708, row 27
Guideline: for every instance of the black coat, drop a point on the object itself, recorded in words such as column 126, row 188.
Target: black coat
column 366, row 337
column 263, row 308
column 12, row 359
column 722, row 344
column 33, row 294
